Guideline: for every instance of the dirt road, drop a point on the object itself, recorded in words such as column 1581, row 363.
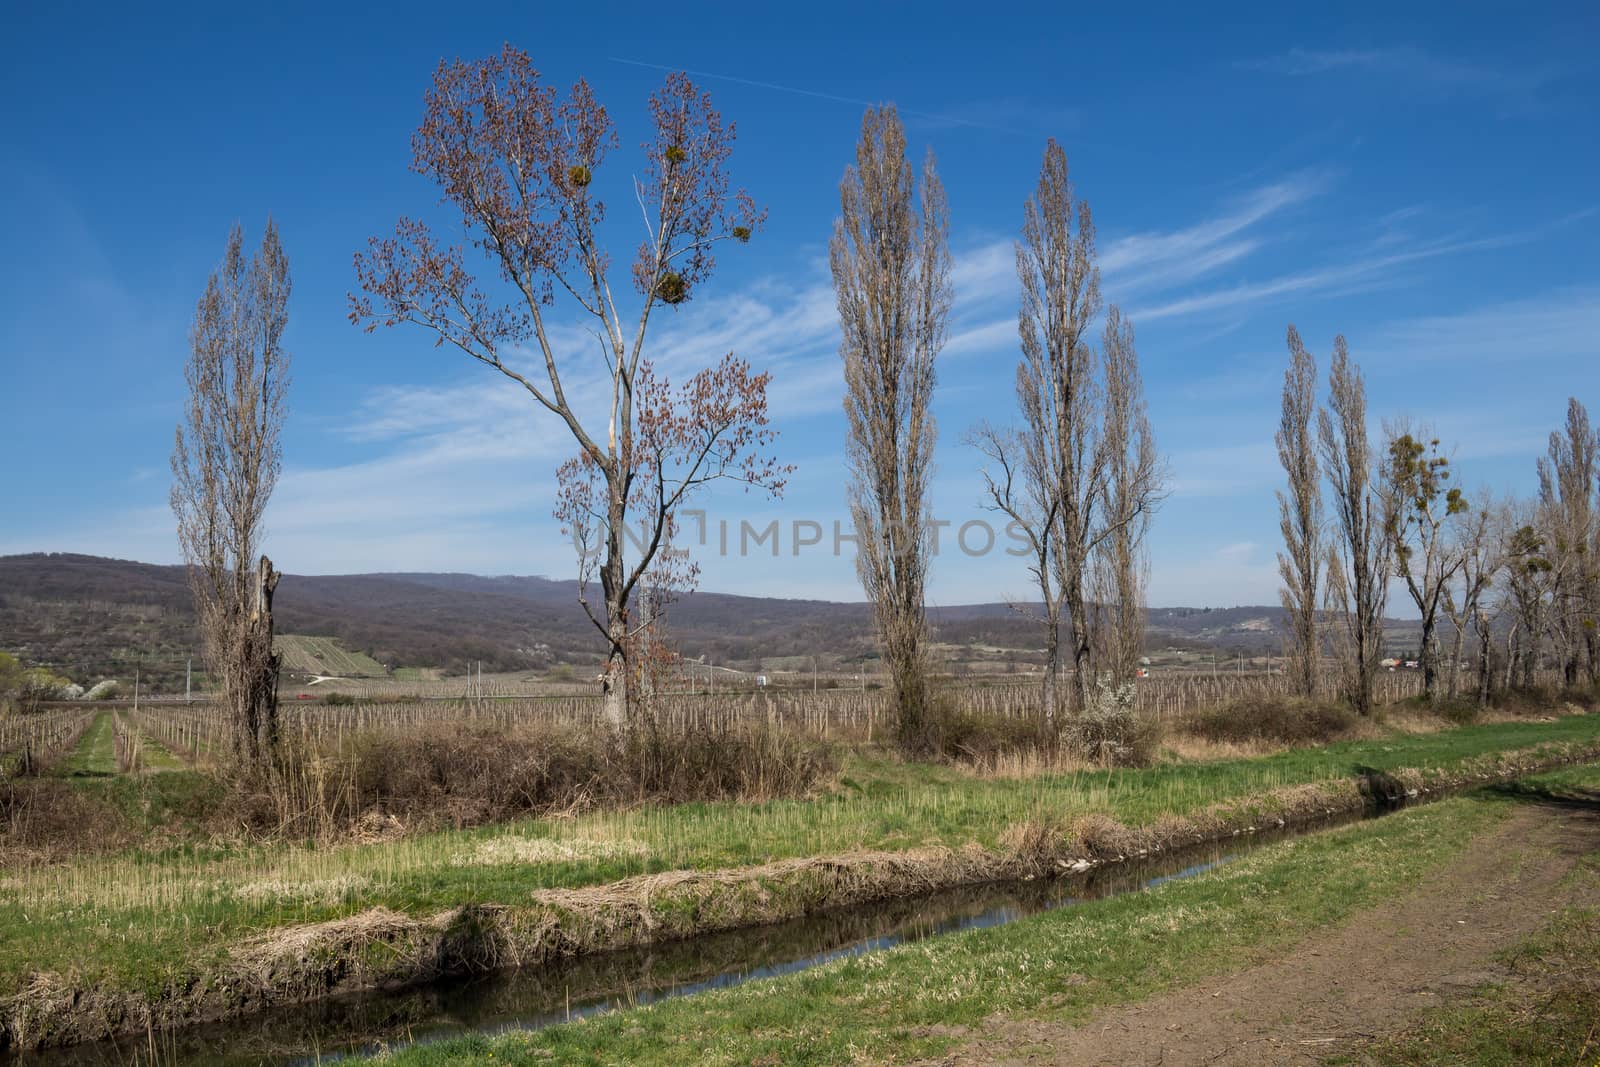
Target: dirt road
column 1364, row 979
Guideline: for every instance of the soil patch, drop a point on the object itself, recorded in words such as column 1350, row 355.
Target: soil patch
column 1341, row 989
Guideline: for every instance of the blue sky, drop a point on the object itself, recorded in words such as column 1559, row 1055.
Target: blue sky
column 1423, row 180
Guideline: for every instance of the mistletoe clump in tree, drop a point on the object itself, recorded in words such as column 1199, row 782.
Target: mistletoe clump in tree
column 1426, row 556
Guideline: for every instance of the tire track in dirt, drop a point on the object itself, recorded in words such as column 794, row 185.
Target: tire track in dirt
column 1366, row 978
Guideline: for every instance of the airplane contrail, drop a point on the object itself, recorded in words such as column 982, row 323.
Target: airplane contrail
column 952, row 119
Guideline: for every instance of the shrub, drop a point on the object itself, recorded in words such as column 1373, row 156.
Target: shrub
column 1458, row 710
column 981, row 740
column 1291, row 720
column 458, row 774
column 42, row 818
column 1110, row 732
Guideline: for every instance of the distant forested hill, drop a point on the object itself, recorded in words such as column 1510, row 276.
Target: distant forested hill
column 93, row 618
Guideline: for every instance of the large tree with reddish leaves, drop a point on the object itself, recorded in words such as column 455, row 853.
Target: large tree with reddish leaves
column 521, row 165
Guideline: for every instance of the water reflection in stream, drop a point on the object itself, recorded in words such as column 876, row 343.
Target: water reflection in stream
column 531, row 998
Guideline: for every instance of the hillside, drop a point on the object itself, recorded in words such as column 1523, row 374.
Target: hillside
column 93, row 617
column 325, row 656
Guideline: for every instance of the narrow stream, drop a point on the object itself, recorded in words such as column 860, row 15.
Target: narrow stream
column 531, row 998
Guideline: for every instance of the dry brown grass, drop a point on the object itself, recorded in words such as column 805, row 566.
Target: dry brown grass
column 469, row 774
column 1022, row 764
column 1190, row 748
column 1268, row 718
column 43, row 819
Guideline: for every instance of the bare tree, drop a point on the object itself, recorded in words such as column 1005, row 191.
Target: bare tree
column 1358, row 558
column 1476, row 542
column 1081, row 476
column 1057, row 386
column 1300, row 516
column 1529, row 584
column 1567, row 476
column 519, row 165
column 1020, row 482
column 1419, row 508
column 1133, row 485
column 890, row 260
column 225, row 463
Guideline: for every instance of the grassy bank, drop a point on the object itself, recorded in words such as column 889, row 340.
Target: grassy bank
column 152, row 926
column 902, row 1004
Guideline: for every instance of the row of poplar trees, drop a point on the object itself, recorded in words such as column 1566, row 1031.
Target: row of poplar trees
column 1518, row 578
column 1078, row 475
column 1077, row 471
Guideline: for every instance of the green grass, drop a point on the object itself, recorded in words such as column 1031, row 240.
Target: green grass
column 95, row 755
column 134, row 919
column 156, row 756
column 898, row 1005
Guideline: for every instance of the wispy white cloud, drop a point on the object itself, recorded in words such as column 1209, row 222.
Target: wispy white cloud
column 978, row 114
column 1009, row 114
column 1404, row 60
column 1518, row 88
column 1148, row 262
column 985, row 272
column 983, row 337
column 1354, row 272
column 1558, row 327
column 1154, row 260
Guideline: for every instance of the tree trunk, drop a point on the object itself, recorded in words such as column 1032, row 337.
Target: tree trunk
column 1511, row 657
column 1430, row 660
column 1078, row 613
column 614, row 686
column 258, row 688
column 1485, row 663
column 613, row 578
column 1050, row 702
column 911, row 695
column 1455, row 660
column 1305, row 662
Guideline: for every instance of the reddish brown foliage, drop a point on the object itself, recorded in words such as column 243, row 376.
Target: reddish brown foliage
column 521, row 165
